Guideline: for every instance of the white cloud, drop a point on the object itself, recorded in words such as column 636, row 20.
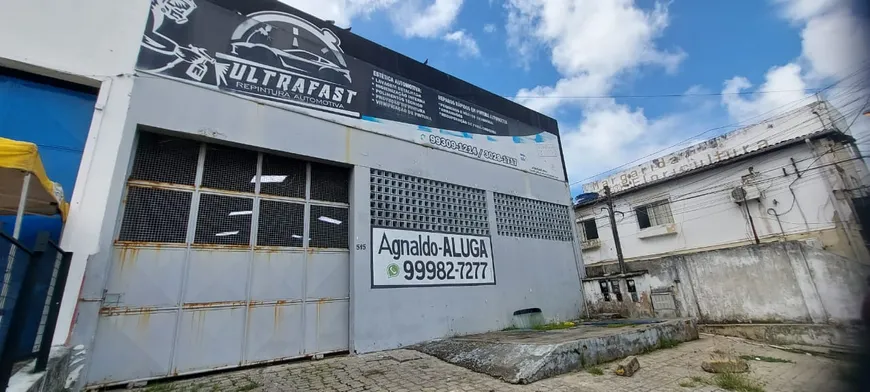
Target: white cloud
column 833, row 45
column 413, row 19
column 592, row 43
column 489, row 28
column 467, row 44
column 784, row 86
column 340, row 11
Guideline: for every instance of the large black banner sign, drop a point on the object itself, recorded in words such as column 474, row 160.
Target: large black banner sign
column 280, row 54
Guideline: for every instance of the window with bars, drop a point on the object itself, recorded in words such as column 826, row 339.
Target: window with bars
column 654, row 214
column 407, row 202
column 225, row 215
column 528, row 218
column 588, row 229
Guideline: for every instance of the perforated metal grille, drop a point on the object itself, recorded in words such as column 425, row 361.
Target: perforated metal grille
column 283, row 177
column 165, row 159
column 230, row 169
column 330, row 183
column 527, row 218
column 223, row 220
column 281, row 224
column 409, row 202
column 328, row 227
column 155, row 215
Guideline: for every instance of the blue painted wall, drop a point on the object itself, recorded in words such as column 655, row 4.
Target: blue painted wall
column 57, row 119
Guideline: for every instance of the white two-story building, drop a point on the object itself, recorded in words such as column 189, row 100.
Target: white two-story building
column 797, row 176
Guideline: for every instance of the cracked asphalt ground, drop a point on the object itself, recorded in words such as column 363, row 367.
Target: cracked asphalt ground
column 406, row 370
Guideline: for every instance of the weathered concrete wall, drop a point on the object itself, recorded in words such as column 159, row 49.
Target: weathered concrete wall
column 783, row 282
column 628, row 306
column 787, row 334
column 523, row 357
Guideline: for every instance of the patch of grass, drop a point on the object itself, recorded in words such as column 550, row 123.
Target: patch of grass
column 165, row 387
column 554, row 326
column 595, row 371
column 662, row 344
column 694, row 382
column 736, row 382
column 764, row 359
column 668, row 343
column 511, row 328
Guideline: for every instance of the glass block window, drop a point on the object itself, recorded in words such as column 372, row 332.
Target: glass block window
column 283, row 176
column 165, row 159
column 223, row 220
column 408, row 202
column 155, row 215
column 328, row 227
column 527, row 218
column 330, row 183
column 230, row 169
column 281, row 224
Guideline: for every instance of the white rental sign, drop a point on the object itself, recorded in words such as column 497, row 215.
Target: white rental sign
column 402, row 258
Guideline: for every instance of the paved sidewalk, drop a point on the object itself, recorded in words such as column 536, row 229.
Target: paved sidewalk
column 406, row 370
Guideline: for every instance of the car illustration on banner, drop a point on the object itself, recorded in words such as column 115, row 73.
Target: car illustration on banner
column 297, row 46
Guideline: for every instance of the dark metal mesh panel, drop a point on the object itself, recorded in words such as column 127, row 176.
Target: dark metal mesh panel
column 165, row 159
column 283, row 176
column 155, row 215
column 328, row 227
column 528, row 218
column 330, row 183
column 281, row 224
column 58, row 259
column 409, row 202
column 223, row 220
column 229, row 168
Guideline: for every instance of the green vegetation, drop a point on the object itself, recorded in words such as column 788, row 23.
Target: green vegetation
column 694, row 382
column 736, row 382
column 764, row 359
column 247, row 385
column 554, row 326
column 595, row 371
column 662, row 344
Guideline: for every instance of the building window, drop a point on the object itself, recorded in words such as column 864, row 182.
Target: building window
column 588, row 230
column 654, row 214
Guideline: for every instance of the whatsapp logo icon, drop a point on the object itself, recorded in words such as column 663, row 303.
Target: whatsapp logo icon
column 392, row 270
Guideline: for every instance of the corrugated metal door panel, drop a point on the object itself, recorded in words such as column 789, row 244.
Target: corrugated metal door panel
column 216, row 276
column 278, row 275
column 147, row 277
column 236, row 268
column 132, row 346
column 326, row 326
column 274, row 332
column 209, row 339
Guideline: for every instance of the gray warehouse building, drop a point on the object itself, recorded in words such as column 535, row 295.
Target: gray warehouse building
column 275, row 187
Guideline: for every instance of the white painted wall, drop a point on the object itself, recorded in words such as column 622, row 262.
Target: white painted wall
column 705, row 217
column 92, row 42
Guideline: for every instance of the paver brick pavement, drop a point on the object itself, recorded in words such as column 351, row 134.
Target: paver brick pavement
column 411, row 371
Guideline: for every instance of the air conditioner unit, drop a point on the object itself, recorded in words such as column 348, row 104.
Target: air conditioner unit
column 741, row 194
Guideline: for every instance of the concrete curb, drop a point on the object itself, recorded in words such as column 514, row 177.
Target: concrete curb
column 524, row 363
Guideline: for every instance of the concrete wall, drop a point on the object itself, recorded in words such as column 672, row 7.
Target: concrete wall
column 94, row 43
column 705, row 218
column 530, row 273
column 782, row 282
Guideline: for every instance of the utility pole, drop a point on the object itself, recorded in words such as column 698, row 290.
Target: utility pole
column 614, row 229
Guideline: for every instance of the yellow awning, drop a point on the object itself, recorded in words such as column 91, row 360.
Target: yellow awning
column 44, row 197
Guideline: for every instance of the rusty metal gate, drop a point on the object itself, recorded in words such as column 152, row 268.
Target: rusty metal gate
column 223, row 257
